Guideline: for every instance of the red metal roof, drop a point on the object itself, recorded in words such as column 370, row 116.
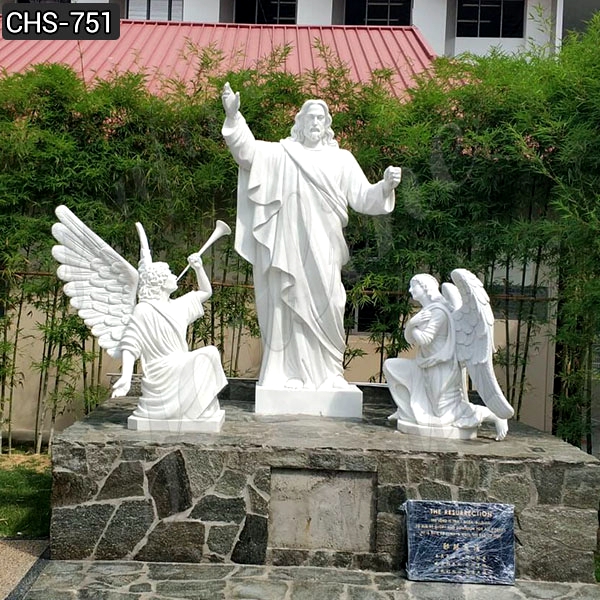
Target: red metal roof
column 160, row 48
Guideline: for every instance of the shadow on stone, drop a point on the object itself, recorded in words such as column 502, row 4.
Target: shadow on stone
column 251, row 548
column 169, row 485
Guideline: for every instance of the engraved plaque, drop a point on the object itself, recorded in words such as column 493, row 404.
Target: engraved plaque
column 460, row 542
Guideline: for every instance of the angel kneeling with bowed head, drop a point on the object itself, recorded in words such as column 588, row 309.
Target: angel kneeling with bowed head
column 453, row 332
column 179, row 387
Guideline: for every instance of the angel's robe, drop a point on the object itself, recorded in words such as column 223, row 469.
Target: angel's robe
column 176, row 383
column 291, row 211
column 428, row 390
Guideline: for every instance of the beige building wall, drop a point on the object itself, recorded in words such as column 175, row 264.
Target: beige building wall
column 26, row 393
column 536, row 407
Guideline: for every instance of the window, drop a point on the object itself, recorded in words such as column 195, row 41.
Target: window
column 360, row 320
column 516, row 302
column 490, row 18
column 270, row 12
column 370, row 317
column 378, row 12
column 158, row 10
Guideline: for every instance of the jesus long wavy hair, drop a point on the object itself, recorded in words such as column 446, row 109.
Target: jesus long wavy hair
column 297, row 133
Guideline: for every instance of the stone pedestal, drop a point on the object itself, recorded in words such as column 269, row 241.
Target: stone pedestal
column 337, row 484
column 448, row 432
column 343, row 403
column 211, row 424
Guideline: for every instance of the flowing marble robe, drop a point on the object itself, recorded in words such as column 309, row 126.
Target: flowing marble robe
column 176, row 383
column 428, row 390
column 291, row 211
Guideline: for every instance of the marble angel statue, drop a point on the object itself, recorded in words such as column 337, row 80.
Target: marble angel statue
column 179, row 387
column 452, row 333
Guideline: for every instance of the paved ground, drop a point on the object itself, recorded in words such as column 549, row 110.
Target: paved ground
column 16, row 559
column 79, row 580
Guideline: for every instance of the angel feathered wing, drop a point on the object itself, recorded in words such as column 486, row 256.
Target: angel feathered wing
column 101, row 284
column 474, row 323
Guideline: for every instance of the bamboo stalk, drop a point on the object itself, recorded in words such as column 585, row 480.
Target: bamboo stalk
column 93, row 361
column 43, row 404
column 57, row 382
column 84, row 376
column 14, row 364
column 507, row 330
column 588, row 401
column 100, row 363
column 3, row 369
column 239, row 340
column 221, row 345
column 528, row 331
column 513, row 390
column 381, row 357
column 40, row 384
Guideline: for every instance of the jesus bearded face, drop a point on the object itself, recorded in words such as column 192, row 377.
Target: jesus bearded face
column 313, row 125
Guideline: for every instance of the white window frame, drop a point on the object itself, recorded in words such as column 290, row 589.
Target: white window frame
column 479, row 20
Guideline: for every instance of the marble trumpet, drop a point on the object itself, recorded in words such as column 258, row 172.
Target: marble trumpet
column 221, row 229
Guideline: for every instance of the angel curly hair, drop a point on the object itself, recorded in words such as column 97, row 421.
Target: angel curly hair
column 430, row 284
column 297, row 133
column 152, row 278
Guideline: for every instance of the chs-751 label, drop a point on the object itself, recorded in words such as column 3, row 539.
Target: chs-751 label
column 54, row 21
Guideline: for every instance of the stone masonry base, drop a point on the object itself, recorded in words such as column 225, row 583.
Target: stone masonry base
column 308, row 491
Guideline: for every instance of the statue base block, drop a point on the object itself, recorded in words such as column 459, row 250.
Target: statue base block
column 342, row 403
column 448, row 432
column 209, row 425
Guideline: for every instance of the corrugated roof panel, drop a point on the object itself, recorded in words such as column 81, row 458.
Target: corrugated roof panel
column 336, row 41
column 160, row 48
column 404, row 69
column 299, row 60
column 364, row 53
column 307, row 49
column 237, row 48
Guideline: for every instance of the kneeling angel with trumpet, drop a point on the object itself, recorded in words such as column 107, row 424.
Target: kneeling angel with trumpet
column 179, row 387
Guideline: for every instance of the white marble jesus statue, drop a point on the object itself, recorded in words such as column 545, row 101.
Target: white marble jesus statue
column 293, row 198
